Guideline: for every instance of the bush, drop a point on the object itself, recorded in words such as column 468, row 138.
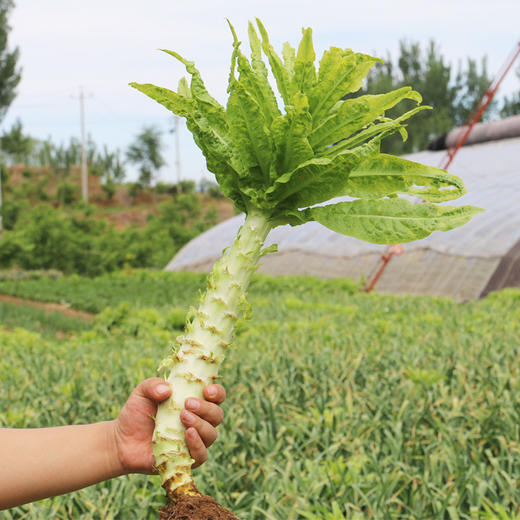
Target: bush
column 13, row 248
column 110, row 189
column 66, row 193
column 163, row 188
column 40, row 189
column 210, row 188
column 186, row 186
column 10, row 212
column 45, row 238
column 4, row 174
column 134, row 188
column 215, row 192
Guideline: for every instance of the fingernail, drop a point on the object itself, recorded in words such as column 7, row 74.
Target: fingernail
column 191, row 433
column 188, row 418
column 162, row 389
column 212, row 391
column 192, row 404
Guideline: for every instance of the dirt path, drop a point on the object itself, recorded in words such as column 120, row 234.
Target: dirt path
column 48, row 307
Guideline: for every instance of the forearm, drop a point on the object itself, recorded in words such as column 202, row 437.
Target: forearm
column 45, row 462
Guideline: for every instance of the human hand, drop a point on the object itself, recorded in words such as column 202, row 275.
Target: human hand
column 133, row 429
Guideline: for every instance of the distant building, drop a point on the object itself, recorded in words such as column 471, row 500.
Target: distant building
column 464, row 263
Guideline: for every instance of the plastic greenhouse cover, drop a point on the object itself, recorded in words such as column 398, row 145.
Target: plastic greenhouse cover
column 491, row 172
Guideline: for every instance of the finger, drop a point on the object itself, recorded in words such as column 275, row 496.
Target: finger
column 209, row 412
column 215, row 393
column 196, row 446
column 206, row 431
column 156, row 389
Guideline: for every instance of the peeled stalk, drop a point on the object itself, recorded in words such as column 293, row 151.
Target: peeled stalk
column 202, row 349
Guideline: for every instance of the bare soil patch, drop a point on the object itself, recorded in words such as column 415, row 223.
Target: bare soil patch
column 48, row 307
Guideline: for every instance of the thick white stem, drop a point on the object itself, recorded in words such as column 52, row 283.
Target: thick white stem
column 202, row 349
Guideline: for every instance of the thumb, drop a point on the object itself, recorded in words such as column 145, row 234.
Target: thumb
column 155, row 389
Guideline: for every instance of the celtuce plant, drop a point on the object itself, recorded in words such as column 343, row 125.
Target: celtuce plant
column 279, row 167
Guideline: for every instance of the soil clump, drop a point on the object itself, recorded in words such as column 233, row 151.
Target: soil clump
column 195, row 507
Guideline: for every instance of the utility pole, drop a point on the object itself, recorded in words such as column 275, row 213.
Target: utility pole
column 84, row 175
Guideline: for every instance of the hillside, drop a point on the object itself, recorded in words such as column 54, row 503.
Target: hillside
column 47, row 226
column 128, row 205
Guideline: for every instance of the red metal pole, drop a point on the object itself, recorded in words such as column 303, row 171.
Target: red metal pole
column 483, row 103
column 473, row 118
column 395, row 249
column 385, row 258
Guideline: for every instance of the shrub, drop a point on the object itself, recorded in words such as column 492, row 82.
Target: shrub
column 110, row 189
column 11, row 210
column 134, row 188
column 45, row 238
column 211, row 188
column 186, row 186
column 4, row 174
column 66, row 193
column 163, row 188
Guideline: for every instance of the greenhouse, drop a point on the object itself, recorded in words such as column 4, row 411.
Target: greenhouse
column 465, row 263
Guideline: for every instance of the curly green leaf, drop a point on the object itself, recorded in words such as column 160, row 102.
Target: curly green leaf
column 386, row 221
column 386, row 175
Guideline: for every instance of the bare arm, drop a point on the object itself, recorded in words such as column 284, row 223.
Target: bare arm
column 39, row 463
column 45, row 462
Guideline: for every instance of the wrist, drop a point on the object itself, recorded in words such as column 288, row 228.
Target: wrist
column 113, row 450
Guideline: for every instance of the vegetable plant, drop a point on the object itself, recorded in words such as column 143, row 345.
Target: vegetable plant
column 282, row 165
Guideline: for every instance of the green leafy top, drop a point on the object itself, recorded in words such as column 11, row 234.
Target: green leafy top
column 319, row 146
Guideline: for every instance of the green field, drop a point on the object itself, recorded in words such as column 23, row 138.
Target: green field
column 144, row 288
column 340, row 404
column 48, row 324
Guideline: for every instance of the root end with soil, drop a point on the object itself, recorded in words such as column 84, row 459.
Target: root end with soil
column 194, row 507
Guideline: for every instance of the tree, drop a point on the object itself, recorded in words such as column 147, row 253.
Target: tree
column 44, row 152
column 452, row 96
column 10, row 74
column 16, row 144
column 65, row 157
column 111, row 169
column 114, row 166
column 511, row 105
column 146, row 153
column 91, row 151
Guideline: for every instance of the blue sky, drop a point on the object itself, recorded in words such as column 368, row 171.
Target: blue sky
column 103, row 45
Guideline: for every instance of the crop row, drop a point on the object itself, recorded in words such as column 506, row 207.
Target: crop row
column 47, row 323
column 339, row 405
column 144, row 288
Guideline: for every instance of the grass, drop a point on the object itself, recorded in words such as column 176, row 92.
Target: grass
column 339, row 405
column 144, row 288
